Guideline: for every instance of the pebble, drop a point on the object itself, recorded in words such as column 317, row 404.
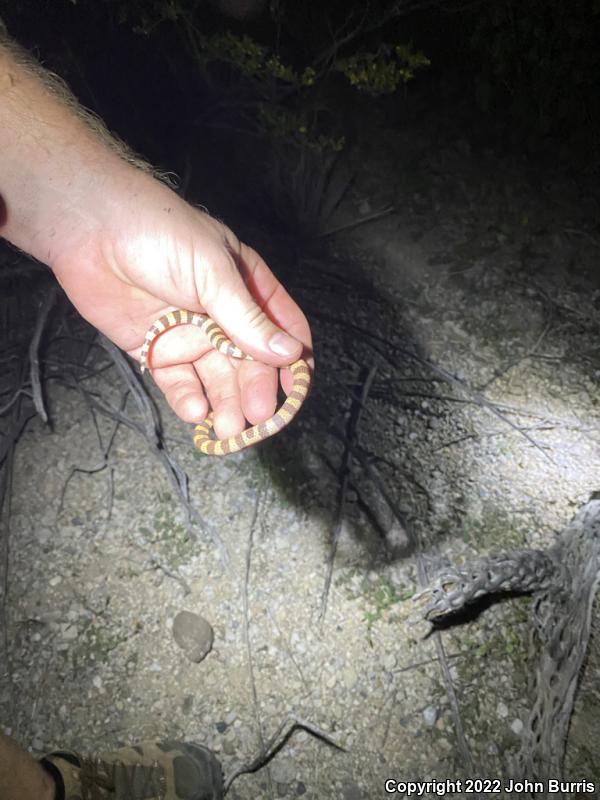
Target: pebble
column 43, row 535
column 349, row 677
column 193, row 634
column 502, row 710
column 68, row 633
column 351, row 791
column 516, row 726
column 389, row 662
column 230, row 747
column 430, row 715
column 282, row 770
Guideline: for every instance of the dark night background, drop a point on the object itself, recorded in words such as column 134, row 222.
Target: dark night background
column 520, row 78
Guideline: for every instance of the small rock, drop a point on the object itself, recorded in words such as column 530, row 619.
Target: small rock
column 282, row 770
column 389, row 662
column 396, row 538
column 43, row 535
column 193, row 634
column 69, row 633
column 516, row 727
column 55, row 580
column 350, row 677
column 430, row 715
column 229, row 747
column 351, row 791
column 502, row 710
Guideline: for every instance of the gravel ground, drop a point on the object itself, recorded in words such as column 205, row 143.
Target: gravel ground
column 484, row 272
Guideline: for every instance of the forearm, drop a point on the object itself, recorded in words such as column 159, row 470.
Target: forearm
column 59, row 167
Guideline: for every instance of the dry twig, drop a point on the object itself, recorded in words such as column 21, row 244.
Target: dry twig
column 34, row 346
column 277, row 741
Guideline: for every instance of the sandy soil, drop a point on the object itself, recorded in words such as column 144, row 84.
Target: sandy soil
column 481, row 270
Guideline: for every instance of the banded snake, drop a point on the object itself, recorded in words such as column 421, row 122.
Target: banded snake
column 257, row 433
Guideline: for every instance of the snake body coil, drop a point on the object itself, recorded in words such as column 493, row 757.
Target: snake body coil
column 257, row 433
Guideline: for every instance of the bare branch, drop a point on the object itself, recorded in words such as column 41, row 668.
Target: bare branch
column 45, row 307
column 277, row 741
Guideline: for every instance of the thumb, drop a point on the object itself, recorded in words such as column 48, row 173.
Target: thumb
column 228, row 300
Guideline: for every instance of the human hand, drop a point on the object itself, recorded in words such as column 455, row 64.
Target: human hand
column 127, row 249
column 145, row 252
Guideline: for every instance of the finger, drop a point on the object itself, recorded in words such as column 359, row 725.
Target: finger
column 183, row 391
column 229, row 302
column 258, row 389
column 279, row 306
column 179, row 344
column 221, row 385
column 287, row 379
column 272, row 297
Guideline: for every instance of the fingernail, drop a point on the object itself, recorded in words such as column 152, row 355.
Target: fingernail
column 283, row 345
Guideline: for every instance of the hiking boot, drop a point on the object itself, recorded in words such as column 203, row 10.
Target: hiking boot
column 166, row 770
